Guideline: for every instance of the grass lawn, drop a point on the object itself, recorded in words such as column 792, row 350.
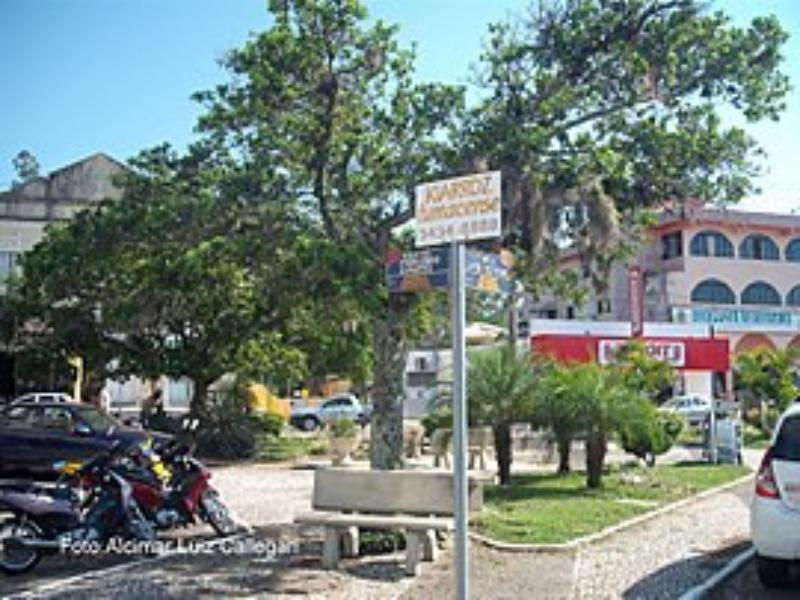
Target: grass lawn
column 286, row 448
column 548, row 509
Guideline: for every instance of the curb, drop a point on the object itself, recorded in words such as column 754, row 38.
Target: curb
column 586, row 540
column 736, row 563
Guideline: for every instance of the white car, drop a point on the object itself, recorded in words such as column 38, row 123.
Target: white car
column 340, row 406
column 692, row 408
column 37, row 397
column 775, row 511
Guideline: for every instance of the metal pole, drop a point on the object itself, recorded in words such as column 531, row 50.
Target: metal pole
column 712, row 434
column 460, row 421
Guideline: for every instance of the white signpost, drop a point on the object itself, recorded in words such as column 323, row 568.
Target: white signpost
column 456, row 211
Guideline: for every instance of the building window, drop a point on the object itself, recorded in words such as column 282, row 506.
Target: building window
column 758, row 247
column 761, row 293
column 711, row 243
column 793, row 250
column 8, row 263
column 713, row 291
column 603, row 307
column 672, row 244
column 793, row 297
column 570, row 312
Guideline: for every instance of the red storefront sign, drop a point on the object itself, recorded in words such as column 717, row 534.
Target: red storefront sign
column 672, row 352
column 686, row 354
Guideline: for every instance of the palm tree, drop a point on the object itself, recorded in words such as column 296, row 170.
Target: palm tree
column 501, row 387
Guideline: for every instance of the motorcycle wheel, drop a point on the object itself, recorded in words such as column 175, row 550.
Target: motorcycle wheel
column 16, row 559
column 216, row 514
column 139, row 527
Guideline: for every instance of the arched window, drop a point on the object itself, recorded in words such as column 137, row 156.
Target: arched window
column 793, row 297
column 758, row 247
column 761, row 293
column 793, row 250
column 713, row 291
column 711, row 243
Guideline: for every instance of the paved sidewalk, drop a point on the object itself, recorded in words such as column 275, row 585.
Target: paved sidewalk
column 662, row 558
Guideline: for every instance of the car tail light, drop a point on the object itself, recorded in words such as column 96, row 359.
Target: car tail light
column 765, row 479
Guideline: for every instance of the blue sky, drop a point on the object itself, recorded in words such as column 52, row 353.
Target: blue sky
column 81, row 76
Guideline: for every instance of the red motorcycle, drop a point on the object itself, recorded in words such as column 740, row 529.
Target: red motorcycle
column 172, row 488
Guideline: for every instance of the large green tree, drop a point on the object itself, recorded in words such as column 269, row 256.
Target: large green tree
column 181, row 277
column 326, row 103
column 596, row 109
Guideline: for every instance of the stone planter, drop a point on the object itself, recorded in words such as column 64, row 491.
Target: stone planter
column 341, row 447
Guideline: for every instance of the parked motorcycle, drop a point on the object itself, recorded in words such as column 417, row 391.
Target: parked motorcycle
column 172, row 487
column 48, row 519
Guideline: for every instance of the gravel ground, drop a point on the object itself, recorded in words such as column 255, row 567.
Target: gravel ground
column 659, row 559
column 265, row 494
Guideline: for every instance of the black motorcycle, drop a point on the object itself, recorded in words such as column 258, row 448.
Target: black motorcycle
column 46, row 520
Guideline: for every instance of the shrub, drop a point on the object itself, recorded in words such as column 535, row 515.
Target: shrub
column 269, row 423
column 440, row 418
column 227, row 429
column 342, row 428
column 650, row 433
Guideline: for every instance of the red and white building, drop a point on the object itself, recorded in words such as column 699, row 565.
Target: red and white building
column 734, row 273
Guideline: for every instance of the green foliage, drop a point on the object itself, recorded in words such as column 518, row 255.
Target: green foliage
column 501, row 386
column 324, row 117
column 227, row 430
column 595, row 111
column 592, row 400
column 647, row 433
column 380, row 541
column 270, row 423
column 439, row 418
column 26, row 166
column 768, row 375
column 342, row 428
column 274, row 448
column 640, row 371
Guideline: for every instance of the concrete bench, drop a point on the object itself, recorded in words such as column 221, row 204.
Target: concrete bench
column 418, row 503
column 479, row 441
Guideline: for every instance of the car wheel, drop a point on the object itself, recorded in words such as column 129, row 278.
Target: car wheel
column 310, row 424
column 772, row 572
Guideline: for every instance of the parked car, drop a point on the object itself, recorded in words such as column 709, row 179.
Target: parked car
column 691, row 407
column 340, row 406
column 775, row 510
column 38, row 397
column 35, row 435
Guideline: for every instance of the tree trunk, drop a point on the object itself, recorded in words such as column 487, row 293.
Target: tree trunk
column 199, row 403
column 564, row 449
column 386, row 438
column 503, row 451
column 595, row 455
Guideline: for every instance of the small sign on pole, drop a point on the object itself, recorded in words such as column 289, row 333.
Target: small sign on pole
column 489, row 271
column 456, row 211
column 417, row 271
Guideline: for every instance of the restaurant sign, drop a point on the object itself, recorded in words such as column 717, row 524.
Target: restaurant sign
column 671, row 352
